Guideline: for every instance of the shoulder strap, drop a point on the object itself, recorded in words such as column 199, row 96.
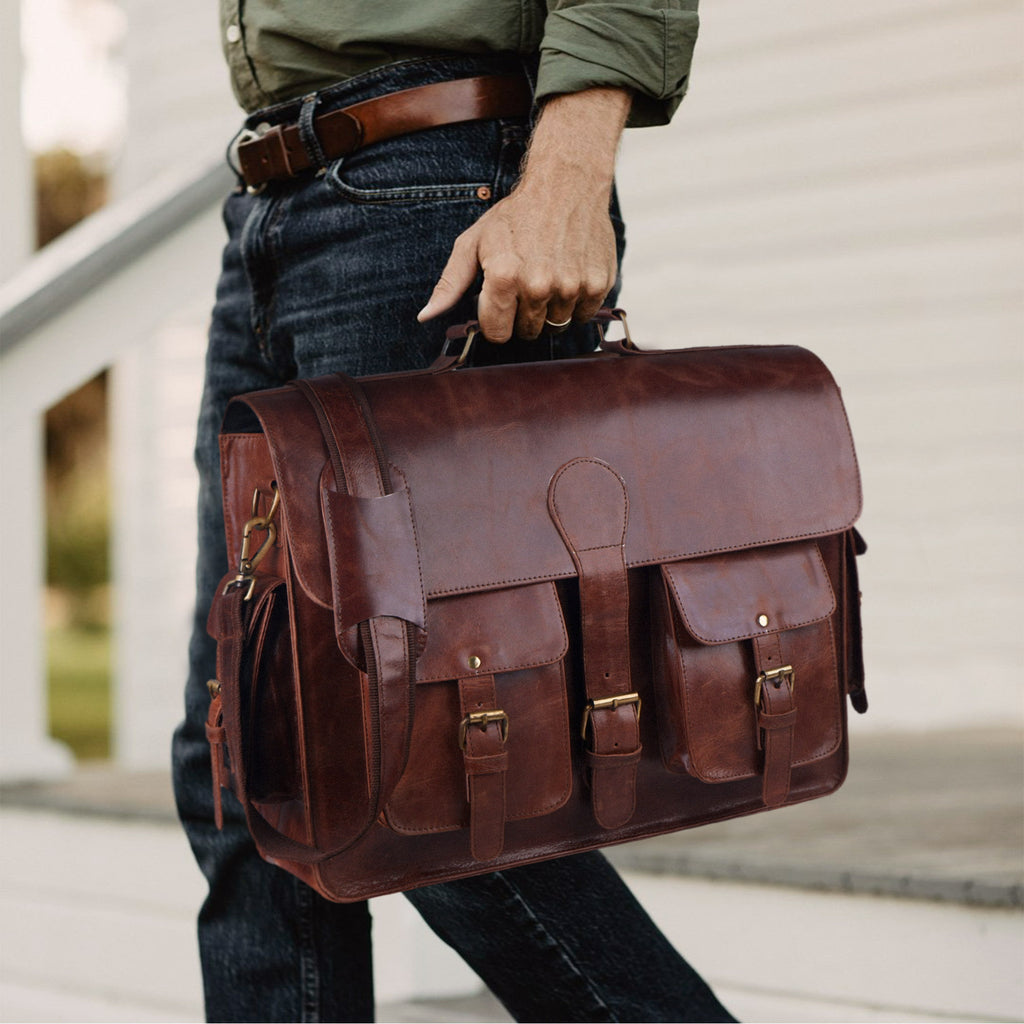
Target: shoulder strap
column 389, row 643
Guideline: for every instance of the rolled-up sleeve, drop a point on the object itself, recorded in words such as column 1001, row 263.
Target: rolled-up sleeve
column 642, row 45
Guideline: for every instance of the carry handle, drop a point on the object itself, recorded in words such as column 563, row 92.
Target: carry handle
column 459, row 339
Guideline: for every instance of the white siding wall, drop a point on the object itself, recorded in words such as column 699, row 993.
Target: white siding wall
column 180, row 104
column 17, row 212
column 848, row 178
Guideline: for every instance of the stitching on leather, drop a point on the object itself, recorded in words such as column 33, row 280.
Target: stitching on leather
column 599, row 547
column 837, row 725
column 553, row 491
column 415, row 538
column 751, row 636
column 711, row 776
column 641, row 563
column 561, row 731
column 517, row 666
column 566, row 756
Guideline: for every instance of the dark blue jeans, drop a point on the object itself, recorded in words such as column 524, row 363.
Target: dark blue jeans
column 322, row 274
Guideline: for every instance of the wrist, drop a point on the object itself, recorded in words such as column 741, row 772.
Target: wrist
column 576, row 140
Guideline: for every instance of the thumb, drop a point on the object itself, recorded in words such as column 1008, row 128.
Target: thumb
column 458, row 274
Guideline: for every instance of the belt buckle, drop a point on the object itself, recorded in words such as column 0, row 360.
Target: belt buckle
column 244, row 136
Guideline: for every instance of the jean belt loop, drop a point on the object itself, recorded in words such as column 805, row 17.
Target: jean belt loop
column 307, row 134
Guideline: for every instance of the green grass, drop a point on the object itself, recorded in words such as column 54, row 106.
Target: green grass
column 79, row 689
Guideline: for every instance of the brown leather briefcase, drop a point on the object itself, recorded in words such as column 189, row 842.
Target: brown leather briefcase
column 487, row 616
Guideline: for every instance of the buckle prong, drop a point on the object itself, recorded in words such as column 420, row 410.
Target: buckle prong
column 481, row 719
column 777, row 676
column 609, row 704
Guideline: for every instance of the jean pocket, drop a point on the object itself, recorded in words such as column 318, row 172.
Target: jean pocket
column 456, row 162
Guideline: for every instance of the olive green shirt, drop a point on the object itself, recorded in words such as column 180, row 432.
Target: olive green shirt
column 280, row 49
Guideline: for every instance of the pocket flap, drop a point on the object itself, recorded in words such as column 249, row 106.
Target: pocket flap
column 491, row 632
column 743, row 594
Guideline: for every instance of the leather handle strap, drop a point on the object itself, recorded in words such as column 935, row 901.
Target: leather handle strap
column 279, row 154
column 460, row 338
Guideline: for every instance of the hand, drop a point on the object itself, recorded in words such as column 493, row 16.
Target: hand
column 547, row 251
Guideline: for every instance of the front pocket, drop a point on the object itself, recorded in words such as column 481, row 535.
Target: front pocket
column 421, row 166
column 719, row 620
column 509, row 645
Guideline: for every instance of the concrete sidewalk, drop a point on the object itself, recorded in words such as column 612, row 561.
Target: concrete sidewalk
column 897, row 899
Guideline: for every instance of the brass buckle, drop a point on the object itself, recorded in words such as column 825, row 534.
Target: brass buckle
column 628, row 340
column 785, row 674
column 247, row 563
column 482, row 719
column 609, row 703
column 246, row 135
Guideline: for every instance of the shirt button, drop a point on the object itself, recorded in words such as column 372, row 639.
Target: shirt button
column 233, row 34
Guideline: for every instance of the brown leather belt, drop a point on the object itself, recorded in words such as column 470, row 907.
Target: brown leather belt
column 278, row 153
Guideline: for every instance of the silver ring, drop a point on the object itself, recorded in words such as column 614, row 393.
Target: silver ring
column 558, row 327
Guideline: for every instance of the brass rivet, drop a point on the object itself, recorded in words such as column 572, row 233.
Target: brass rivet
column 483, row 192
column 762, row 619
column 213, row 686
column 474, row 662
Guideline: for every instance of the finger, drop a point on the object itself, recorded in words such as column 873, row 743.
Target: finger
column 499, row 300
column 559, row 314
column 458, row 274
column 535, row 296
column 594, row 292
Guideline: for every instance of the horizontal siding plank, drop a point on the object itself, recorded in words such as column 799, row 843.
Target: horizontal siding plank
column 939, row 206
column 769, row 86
column 660, row 169
column 737, row 294
column 736, row 28
column 882, row 353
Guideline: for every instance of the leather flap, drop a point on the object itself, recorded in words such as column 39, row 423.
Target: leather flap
column 744, row 594
column 719, row 449
column 492, row 632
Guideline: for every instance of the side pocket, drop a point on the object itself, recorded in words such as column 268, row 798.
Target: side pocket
column 726, row 627
column 269, row 720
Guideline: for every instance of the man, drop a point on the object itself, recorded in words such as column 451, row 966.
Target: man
column 333, row 248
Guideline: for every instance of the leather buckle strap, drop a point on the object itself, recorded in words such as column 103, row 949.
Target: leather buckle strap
column 481, row 719
column 777, row 677
column 776, row 713
column 485, row 759
column 278, row 153
column 589, row 505
column 609, row 704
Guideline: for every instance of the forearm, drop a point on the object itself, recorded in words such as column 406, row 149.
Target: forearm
column 576, row 139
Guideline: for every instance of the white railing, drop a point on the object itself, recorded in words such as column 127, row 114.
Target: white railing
column 102, row 296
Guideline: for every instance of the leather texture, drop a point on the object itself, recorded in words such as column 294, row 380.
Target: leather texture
column 519, row 611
